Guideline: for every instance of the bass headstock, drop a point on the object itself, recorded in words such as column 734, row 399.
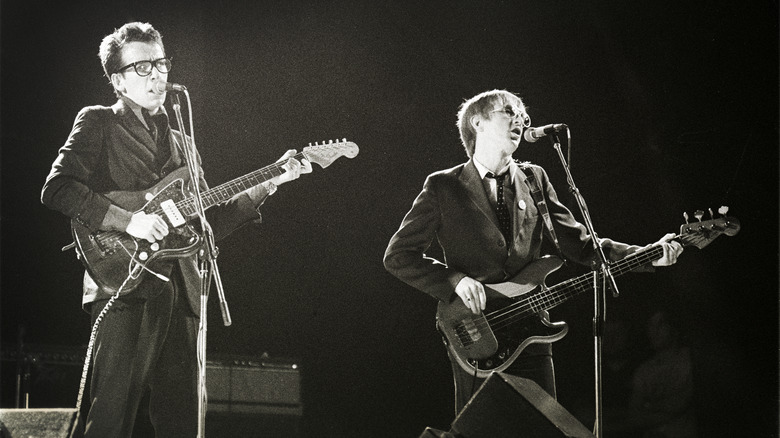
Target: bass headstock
column 701, row 233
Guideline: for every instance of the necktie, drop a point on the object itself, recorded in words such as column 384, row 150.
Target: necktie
column 502, row 211
column 162, row 153
column 150, row 125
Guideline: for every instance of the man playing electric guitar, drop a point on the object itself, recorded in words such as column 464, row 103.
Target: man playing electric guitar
column 147, row 339
column 487, row 215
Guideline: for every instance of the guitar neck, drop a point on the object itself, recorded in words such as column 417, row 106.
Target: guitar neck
column 223, row 192
column 561, row 292
column 698, row 234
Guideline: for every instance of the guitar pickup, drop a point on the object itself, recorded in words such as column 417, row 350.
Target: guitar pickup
column 172, row 213
column 468, row 333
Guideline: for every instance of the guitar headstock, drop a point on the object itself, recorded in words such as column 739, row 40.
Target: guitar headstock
column 701, row 233
column 326, row 153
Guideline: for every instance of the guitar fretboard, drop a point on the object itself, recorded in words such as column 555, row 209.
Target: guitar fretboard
column 562, row 291
column 223, row 192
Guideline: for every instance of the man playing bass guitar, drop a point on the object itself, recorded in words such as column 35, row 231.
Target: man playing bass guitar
column 488, row 217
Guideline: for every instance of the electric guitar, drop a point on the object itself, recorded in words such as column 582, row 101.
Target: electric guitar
column 516, row 315
column 116, row 259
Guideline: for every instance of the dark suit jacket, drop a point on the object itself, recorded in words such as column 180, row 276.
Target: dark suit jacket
column 453, row 209
column 109, row 149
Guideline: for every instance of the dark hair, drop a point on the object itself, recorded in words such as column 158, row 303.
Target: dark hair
column 481, row 104
column 111, row 47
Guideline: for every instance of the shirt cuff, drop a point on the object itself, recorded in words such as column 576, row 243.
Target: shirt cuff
column 260, row 192
column 116, row 219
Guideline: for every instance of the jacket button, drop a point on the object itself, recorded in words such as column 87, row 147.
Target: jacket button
column 500, row 243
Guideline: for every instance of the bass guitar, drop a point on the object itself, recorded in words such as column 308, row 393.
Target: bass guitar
column 516, row 315
column 116, row 259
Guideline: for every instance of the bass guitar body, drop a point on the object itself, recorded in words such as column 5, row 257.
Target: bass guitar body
column 491, row 341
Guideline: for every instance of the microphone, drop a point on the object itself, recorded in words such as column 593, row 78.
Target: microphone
column 532, row 135
column 162, row 87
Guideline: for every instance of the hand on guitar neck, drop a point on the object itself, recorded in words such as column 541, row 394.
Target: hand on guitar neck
column 672, row 250
column 293, row 168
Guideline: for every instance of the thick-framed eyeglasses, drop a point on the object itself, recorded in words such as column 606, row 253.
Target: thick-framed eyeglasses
column 144, row 68
column 512, row 112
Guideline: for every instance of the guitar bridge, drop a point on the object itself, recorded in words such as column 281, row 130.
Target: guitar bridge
column 99, row 243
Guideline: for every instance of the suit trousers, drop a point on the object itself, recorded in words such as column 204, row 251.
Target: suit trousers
column 145, row 344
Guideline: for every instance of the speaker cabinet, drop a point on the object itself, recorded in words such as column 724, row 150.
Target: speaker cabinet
column 39, row 423
column 254, row 386
column 509, row 406
column 253, row 396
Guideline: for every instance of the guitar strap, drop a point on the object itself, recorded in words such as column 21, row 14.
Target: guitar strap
column 541, row 205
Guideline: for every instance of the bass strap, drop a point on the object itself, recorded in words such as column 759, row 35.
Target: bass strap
column 541, row 205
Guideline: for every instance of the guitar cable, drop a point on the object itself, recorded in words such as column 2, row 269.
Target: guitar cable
column 132, row 272
column 91, row 345
column 93, row 333
column 474, row 380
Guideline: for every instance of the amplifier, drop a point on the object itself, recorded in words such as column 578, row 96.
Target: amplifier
column 50, row 376
column 254, row 386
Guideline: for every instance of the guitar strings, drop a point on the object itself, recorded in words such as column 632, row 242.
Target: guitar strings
column 238, row 185
column 507, row 315
column 558, row 293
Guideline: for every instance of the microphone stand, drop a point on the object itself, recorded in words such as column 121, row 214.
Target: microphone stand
column 207, row 260
column 600, row 283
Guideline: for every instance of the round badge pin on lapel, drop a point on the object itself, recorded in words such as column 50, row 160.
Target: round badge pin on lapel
column 521, row 204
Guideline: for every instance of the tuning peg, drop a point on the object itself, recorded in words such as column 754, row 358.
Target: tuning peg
column 685, row 215
column 711, row 215
column 723, row 210
column 698, row 214
column 344, row 140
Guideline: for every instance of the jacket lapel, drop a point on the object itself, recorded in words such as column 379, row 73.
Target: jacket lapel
column 472, row 183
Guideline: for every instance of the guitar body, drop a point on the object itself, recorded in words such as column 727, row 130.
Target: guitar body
column 114, row 258
column 117, row 260
column 492, row 340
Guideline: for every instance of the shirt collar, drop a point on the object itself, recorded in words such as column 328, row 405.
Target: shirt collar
column 484, row 170
column 138, row 109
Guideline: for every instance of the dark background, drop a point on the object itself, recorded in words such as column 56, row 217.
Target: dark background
column 672, row 107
